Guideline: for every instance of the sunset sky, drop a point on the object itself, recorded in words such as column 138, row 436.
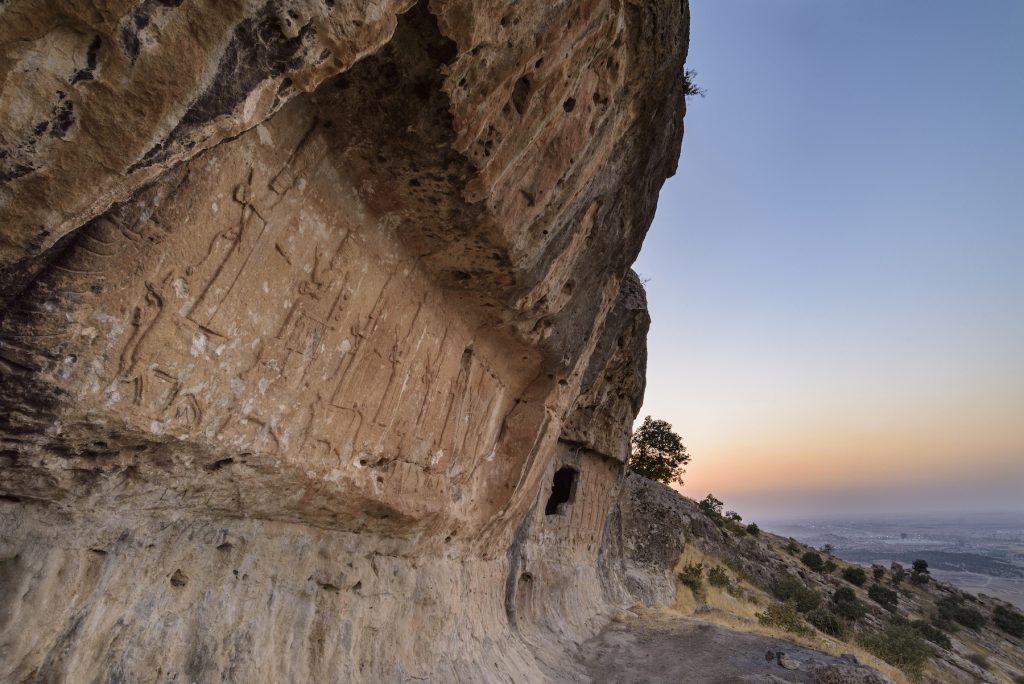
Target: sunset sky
column 836, row 273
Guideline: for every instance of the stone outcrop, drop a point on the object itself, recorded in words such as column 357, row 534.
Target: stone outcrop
column 319, row 345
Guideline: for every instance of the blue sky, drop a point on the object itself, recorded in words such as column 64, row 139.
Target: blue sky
column 836, row 272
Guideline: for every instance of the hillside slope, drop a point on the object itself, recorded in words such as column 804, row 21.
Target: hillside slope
column 765, row 584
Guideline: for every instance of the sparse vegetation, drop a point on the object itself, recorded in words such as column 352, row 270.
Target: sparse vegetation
column 932, row 634
column 812, row 560
column 690, row 88
column 753, row 529
column 878, row 572
column 900, row 645
column 658, row 452
column 711, row 506
column 899, row 573
column 717, row 577
column 783, row 616
column 829, row 567
column 952, row 608
column 887, row 598
column 792, row 548
column 827, row 621
column 692, row 575
column 846, row 603
column 855, row 575
column 1009, row 620
column 791, row 590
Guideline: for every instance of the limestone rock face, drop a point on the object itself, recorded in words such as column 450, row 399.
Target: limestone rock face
column 319, row 345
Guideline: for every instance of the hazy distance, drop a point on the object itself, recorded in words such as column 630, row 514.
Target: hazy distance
column 836, row 273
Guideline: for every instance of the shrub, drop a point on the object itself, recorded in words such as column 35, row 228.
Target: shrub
column 792, row 547
column 953, row 608
column 717, row 577
column 753, row 529
column 812, row 560
column 900, row 645
column 846, row 603
column 711, row 506
column 734, row 516
column 919, row 577
column 878, row 572
column 829, row 567
column 827, row 621
column 783, row 616
column 689, row 87
column 886, row 598
column 692, row 575
column 898, row 573
column 795, row 592
column 1009, row 620
column 855, row 576
column 921, row 566
column 932, row 634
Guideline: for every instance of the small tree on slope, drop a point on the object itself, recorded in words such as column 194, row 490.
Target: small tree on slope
column 658, row 453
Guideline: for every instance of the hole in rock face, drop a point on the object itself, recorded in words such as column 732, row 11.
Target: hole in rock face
column 520, row 92
column 563, row 489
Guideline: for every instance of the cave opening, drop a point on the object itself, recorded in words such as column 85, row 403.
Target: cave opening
column 563, row 489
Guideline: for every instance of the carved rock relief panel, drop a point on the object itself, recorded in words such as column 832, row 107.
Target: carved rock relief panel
column 250, row 302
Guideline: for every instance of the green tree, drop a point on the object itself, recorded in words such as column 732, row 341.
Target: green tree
column 711, row 506
column 658, row 453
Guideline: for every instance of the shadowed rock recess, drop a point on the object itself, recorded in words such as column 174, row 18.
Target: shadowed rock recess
column 319, row 348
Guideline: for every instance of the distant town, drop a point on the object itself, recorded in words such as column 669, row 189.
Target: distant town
column 979, row 553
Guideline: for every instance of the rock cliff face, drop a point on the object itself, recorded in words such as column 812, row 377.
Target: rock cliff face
column 319, row 345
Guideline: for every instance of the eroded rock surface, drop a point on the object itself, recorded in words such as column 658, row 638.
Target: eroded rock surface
column 319, row 346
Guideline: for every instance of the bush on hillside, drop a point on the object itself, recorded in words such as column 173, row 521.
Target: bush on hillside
column 953, row 608
column 692, row 575
column 846, row 603
column 1009, row 620
column 711, row 506
column 855, row 575
column 878, row 572
column 886, row 598
column 932, row 634
column 795, row 592
column 900, row 645
column 717, row 577
column 783, row 616
column 812, row 560
column 753, row 529
column 827, row 621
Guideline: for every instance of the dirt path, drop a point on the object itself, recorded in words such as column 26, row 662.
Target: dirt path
column 688, row 650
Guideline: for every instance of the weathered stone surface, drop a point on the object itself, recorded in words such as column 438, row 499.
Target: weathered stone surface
column 319, row 347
